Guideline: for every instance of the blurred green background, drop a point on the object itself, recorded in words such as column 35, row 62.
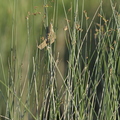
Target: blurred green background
column 13, row 24
column 22, row 24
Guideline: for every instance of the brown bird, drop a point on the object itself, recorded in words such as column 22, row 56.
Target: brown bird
column 50, row 38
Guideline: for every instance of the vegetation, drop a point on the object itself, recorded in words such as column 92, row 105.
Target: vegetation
column 75, row 78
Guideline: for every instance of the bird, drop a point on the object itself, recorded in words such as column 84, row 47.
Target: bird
column 50, row 38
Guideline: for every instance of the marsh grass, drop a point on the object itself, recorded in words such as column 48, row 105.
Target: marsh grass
column 91, row 84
